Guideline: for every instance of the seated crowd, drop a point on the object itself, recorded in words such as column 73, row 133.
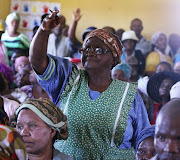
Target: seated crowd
column 113, row 95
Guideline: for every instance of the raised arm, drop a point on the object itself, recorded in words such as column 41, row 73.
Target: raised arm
column 72, row 29
column 38, row 47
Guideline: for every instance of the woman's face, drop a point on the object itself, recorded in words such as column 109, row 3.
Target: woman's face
column 146, row 149
column 93, row 61
column 22, row 78
column 165, row 87
column 129, row 45
column 36, row 135
column 161, row 42
column 13, row 26
column 120, row 75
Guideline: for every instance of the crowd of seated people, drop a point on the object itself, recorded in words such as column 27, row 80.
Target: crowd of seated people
column 43, row 85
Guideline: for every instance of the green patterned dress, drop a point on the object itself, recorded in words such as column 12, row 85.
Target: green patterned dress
column 96, row 127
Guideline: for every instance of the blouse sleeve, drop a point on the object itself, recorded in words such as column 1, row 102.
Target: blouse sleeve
column 137, row 121
column 55, row 77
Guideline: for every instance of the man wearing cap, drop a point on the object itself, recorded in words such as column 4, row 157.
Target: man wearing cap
column 40, row 122
column 129, row 40
column 143, row 44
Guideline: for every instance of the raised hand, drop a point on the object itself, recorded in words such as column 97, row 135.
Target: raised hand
column 77, row 15
column 51, row 21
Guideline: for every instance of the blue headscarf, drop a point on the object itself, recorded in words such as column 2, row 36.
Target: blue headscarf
column 123, row 67
column 145, row 133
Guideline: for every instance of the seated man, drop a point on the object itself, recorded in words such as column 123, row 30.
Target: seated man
column 167, row 132
column 40, row 122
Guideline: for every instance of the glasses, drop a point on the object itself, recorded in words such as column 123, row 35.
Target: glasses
column 97, row 51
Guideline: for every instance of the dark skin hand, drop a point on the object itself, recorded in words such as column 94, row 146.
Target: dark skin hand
column 37, row 55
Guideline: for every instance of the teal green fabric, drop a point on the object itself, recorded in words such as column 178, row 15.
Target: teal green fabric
column 91, row 122
column 12, row 44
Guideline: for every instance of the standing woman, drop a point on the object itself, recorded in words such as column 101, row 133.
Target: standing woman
column 12, row 39
column 105, row 116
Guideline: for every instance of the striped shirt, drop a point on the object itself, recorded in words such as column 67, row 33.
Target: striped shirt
column 20, row 43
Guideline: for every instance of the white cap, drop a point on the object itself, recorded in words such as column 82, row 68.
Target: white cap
column 129, row 35
column 175, row 90
column 12, row 16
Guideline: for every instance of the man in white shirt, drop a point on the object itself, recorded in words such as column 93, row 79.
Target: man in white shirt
column 57, row 42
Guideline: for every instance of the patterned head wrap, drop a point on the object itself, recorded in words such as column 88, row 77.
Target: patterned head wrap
column 123, row 67
column 109, row 39
column 12, row 146
column 48, row 112
column 12, row 16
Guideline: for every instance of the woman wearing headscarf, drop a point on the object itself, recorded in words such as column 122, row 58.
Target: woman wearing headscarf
column 146, row 149
column 105, row 116
column 159, row 42
column 121, row 71
column 12, row 146
column 12, row 39
column 40, row 122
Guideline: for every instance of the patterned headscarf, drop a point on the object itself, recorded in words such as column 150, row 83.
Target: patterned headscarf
column 12, row 146
column 109, row 39
column 48, row 112
column 123, row 67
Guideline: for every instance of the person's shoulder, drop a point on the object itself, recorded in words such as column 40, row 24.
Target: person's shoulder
column 145, row 40
column 4, row 35
column 155, row 158
column 57, row 155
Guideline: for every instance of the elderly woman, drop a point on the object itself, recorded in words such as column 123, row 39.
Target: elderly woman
column 159, row 41
column 12, row 39
column 121, row 72
column 40, row 122
column 105, row 116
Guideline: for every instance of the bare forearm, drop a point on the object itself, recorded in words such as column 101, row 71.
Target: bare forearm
column 38, row 50
column 72, row 31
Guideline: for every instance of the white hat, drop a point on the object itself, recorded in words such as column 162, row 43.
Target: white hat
column 175, row 90
column 12, row 16
column 129, row 35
